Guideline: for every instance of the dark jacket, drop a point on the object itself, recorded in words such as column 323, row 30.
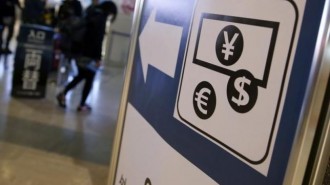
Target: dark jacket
column 96, row 19
column 95, row 30
column 69, row 8
column 33, row 11
column 7, row 7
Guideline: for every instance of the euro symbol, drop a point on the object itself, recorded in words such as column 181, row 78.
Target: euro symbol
column 204, row 100
column 201, row 99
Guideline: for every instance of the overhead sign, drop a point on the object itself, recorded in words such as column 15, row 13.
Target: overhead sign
column 210, row 95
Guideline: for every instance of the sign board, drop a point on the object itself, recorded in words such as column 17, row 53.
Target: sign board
column 212, row 91
column 33, row 58
column 241, row 75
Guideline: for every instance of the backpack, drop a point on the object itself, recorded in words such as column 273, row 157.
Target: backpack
column 71, row 26
column 72, row 33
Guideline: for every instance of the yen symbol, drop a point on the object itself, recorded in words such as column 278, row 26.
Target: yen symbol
column 229, row 45
column 204, row 100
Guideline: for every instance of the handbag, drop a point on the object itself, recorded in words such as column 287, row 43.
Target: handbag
column 87, row 63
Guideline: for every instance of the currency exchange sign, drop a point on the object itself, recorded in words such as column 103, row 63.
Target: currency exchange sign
column 242, row 62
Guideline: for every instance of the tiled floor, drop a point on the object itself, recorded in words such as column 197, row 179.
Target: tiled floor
column 42, row 144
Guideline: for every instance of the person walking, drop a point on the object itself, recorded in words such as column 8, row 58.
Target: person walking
column 7, row 20
column 90, row 57
column 69, row 8
column 33, row 12
column 68, row 11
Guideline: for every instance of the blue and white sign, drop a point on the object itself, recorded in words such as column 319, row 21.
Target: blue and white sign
column 213, row 92
column 242, row 58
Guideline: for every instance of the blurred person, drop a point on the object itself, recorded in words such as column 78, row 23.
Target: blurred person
column 92, row 6
column 7, row 20
column 69, row 8
column 49, row 14
column 69, row 12
column 90, row 57
column 33, row 11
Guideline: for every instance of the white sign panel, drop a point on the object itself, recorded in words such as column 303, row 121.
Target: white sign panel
column 156, row 158
column 234, row 76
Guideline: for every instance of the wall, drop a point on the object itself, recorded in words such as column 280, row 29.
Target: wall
column 118, row 36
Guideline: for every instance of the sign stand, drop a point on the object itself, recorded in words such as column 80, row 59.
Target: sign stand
column 123, row 103
column 32, row 61
column 313, row 102
column 221, row 90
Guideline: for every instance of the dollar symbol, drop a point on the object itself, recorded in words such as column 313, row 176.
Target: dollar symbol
column 242, row 91
column 243, row 98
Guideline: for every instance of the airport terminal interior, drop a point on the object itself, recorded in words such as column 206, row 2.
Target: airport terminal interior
column 41, row 143
column 44, row 144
